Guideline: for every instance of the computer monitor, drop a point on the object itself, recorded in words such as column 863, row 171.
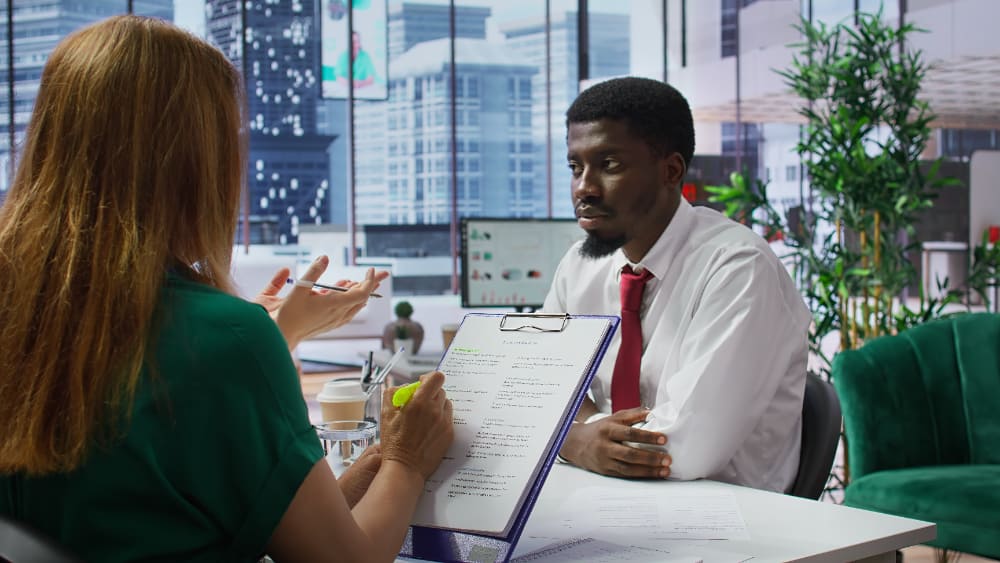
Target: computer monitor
column 511, row 262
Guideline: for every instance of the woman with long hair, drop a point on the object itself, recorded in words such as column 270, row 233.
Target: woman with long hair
column 148, row 412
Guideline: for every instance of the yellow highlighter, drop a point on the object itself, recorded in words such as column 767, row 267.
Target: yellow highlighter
column 404, row 394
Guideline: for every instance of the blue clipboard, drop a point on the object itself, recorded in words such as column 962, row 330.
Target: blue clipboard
column 437, row 544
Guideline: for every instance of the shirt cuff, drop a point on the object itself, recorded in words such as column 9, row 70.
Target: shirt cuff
column 559, row 457
column 595, row 417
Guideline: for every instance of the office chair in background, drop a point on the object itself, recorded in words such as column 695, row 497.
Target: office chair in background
column 22, row 544
column 820, row 436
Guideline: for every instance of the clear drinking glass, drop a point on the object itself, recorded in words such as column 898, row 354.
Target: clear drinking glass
column 344, row 440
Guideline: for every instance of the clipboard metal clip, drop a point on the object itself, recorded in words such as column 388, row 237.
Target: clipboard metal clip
column 516, row 325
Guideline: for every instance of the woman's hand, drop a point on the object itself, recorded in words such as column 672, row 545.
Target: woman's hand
column 306, row 311
column 268, row 297
column 355, row 481
column 419, row 433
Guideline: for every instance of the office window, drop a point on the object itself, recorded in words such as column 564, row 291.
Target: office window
column 38, row 27
column 791, row 173
column 730, row 33
column 890, row 8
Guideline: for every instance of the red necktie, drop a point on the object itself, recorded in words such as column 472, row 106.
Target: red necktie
column 625, row 380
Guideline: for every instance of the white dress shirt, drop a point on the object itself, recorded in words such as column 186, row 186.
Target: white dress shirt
column 724, row 333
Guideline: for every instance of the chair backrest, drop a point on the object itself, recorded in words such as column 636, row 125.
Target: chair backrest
column 924, row 397
column 820, row 436
column 20, row 543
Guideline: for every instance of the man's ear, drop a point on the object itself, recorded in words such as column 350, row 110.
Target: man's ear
column 673, row 169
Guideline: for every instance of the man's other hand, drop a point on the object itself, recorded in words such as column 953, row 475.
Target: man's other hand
column 599, row 447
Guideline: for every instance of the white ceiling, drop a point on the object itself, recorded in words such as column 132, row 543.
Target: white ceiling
column 962, row 92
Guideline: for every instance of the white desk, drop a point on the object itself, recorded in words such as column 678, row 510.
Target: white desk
column 780, row 527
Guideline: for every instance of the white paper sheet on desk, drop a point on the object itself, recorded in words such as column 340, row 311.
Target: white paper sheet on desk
column 608, row 511
column 591, row 550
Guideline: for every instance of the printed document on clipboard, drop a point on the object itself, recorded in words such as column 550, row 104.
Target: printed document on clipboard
column 516, row 382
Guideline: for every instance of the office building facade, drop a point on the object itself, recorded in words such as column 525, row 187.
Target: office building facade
column 404, row 172
column 610, row 57
column 288, row 177
column 38, row 26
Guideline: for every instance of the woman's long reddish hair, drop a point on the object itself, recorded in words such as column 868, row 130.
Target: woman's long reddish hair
column 133, row 165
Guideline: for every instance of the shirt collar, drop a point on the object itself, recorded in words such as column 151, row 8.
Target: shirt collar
column 659, row 257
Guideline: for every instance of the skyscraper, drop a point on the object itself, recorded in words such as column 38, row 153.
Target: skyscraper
column 38, row 26
column 405, row 174
column 610, row 58
column 289, row 164
column 404, row 145
column 411, row 23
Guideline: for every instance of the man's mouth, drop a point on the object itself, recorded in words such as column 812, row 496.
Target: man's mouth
column 589, row 217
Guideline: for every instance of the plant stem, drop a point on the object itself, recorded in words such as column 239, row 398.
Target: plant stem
column 877, row 235
column 866, row 329
column 842, row 299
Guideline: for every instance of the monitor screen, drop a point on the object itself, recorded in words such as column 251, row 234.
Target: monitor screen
column 511, row 262
column 367, row 40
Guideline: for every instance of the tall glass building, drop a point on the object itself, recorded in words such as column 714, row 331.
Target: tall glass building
column 289, row 165
column 493, row 152
column 611, row 58
column 38, row 26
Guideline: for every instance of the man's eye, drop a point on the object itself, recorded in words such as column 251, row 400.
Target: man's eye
column 574, row 168
column 611, row 164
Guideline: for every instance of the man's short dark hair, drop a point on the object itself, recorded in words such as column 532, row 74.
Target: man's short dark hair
column 653, row 111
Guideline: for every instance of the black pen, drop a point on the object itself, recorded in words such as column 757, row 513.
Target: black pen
column 309, row 284
column 367, row 370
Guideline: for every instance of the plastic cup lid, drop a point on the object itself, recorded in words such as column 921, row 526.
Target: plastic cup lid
column 341, row 391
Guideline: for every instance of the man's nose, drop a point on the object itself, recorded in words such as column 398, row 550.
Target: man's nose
column 586, row 185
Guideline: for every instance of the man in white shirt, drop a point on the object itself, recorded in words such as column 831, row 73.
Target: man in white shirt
column 723, row 328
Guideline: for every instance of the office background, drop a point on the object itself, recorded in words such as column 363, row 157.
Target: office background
column 392, row 178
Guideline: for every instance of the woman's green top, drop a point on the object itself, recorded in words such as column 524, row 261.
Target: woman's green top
column 218, row 443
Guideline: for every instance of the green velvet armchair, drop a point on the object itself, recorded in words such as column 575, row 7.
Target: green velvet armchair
column 922, row 419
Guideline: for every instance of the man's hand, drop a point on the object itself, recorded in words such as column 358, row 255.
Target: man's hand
column 355, row 481
column 599, row 447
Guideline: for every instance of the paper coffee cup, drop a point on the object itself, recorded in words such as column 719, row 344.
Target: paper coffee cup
column 342, row 400
column 448, row 333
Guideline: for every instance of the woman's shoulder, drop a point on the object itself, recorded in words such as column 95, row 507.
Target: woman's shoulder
column 209, row 303
column 200, row 315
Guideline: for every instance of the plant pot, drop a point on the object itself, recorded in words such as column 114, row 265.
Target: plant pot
column 406, row 343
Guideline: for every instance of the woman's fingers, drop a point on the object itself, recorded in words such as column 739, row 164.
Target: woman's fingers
column 312, row 274
column 277, row 282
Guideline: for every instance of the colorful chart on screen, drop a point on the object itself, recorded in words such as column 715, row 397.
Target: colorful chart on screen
column 511, row 262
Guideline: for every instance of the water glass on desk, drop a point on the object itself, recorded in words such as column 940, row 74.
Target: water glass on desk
column 344, row 441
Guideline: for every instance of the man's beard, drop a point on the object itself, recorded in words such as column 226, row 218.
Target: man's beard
column 596, row 247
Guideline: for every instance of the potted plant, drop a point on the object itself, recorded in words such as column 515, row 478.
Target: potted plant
column 865, row 129
column 404, row 331
column 402, row 339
